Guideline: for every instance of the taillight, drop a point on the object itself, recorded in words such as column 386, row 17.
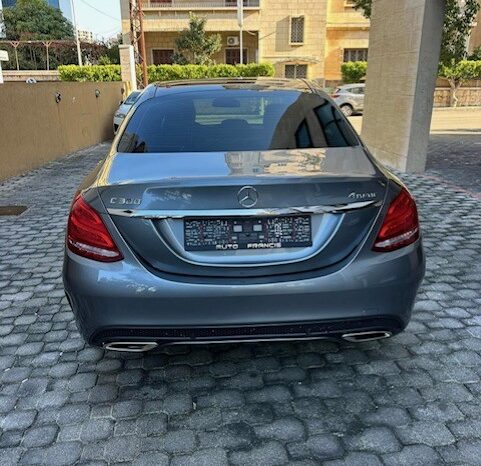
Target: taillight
column 87, row 234
column 400, row 226
column 334, row 96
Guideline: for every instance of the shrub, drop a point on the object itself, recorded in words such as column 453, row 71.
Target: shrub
column 165, row 72
column 89, row 73
column 353, row 71
column 458, row 73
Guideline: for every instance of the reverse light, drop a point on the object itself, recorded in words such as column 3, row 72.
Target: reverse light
column 87, row 234
column 401, row 224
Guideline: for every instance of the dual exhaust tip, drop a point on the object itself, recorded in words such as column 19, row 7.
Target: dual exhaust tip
column 143, row 346
column 359, row 337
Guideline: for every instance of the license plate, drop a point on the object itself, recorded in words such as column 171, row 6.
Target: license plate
column 259, row 233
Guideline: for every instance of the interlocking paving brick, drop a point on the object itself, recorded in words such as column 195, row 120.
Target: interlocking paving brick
column 411, row 400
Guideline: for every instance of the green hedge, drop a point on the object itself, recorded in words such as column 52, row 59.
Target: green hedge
column 165, row 72
column 464, row 70
column 353, row 71
column 89, row 73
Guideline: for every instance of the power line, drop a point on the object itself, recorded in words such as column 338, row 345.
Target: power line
column 100, row 11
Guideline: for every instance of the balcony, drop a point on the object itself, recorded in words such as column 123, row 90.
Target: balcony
column 197, row 5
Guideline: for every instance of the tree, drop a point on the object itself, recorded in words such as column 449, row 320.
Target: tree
column 458, row 22
column 365, row 6
column 36, row 20
column 194, row 46
column 457, row 74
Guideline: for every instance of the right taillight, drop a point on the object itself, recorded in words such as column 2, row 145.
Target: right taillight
column 400, row 226
column 87, row 234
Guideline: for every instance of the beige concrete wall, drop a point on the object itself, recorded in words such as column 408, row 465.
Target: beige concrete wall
column 330, row 27
column 166, row 40
column 346, row 29
column 274, row 40
column 337, row 41
column 35, row 129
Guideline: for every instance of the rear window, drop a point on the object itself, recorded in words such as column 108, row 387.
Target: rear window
column 235, row 120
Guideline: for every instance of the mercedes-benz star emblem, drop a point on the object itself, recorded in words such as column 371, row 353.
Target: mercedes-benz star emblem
column 247, row 196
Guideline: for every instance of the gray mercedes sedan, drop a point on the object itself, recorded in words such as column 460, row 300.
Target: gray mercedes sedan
column 240, row 210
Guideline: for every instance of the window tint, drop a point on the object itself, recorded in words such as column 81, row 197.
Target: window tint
column 235, row 120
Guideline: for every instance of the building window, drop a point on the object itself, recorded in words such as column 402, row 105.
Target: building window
column 232, row 56
column 297, row 30
column 349, row 3
column 162, row 56
column 355, row 55
column 295, row 71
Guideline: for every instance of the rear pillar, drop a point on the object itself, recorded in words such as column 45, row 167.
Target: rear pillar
column 404, row 45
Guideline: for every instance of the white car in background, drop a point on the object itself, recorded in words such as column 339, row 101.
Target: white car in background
column 350, row 98
column 124, row 108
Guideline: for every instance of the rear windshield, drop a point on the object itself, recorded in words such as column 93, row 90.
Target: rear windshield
column 235, row 120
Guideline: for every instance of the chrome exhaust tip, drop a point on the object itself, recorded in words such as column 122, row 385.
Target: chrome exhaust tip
column 130, row 346
column 358, row 337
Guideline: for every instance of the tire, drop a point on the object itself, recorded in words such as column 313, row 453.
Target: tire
column 347, row 110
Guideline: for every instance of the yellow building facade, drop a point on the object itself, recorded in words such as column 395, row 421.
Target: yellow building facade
column 301, row 38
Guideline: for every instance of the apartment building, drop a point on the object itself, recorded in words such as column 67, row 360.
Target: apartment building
column 301, row 38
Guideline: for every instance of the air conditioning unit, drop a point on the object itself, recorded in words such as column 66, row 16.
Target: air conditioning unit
column 232, row 41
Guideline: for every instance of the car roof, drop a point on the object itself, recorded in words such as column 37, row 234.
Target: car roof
column 163, row 87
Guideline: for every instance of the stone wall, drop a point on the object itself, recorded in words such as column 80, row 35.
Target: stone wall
column 468, row 97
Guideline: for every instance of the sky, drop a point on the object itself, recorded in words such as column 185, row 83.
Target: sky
column 102, row 17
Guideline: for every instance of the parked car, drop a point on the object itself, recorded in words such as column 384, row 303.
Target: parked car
column 350, row 98
column 124, row 108
column 240, row 210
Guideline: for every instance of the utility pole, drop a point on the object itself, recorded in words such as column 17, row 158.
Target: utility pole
column 77, row 40
column 240, row 21
column 137, row 38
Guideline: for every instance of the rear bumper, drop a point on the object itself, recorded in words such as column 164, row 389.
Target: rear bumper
column 124, row 300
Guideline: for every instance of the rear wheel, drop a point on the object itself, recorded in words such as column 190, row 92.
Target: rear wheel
column 347, row 110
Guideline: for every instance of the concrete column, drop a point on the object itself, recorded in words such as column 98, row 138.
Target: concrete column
column 127, row 65
column 404, row 47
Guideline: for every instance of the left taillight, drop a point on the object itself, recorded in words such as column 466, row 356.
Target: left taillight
column 401, row 224
column 87, row 234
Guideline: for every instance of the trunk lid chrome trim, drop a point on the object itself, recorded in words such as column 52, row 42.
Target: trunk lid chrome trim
column 265, row 212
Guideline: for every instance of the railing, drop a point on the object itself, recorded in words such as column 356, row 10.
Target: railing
column 199, row 4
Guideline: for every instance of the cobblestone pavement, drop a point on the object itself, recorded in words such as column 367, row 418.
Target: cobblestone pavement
column 414, row 399
column 457, row 158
